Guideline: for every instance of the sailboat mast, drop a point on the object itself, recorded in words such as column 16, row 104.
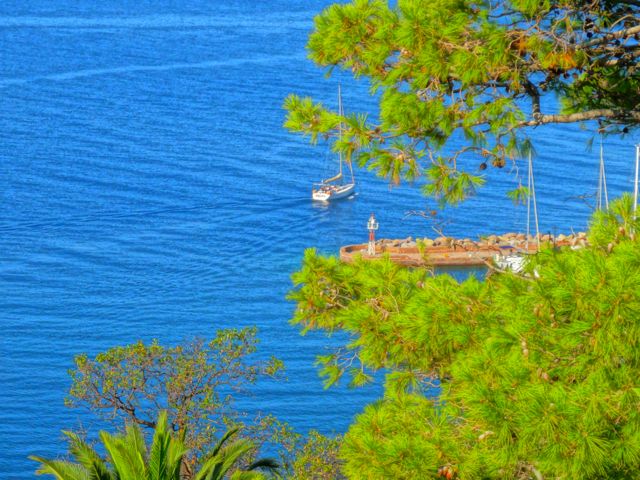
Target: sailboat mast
column 340, row 125
column 602, row 182
column 531, row 183
column 635, row 184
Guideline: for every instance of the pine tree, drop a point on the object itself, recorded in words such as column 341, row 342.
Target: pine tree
column 516, row 376
column 460, row 82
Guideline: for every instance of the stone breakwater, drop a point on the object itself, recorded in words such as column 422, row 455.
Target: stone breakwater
column 448, row 251
column 507, row 239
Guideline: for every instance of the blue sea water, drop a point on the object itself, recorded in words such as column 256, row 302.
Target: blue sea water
column 148, row 190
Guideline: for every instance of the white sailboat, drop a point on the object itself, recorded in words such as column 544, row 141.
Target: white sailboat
column 516, row 262
column 335, row 187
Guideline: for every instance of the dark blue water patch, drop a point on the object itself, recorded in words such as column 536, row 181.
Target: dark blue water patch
column 463, row 273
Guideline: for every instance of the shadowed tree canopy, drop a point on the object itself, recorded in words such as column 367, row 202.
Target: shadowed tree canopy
column 537, row 374
column 461, row 82
column 194, row 383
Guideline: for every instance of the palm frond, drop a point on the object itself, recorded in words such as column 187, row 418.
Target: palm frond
column 88, row 458
column 265, row 463
column 123, row 457
column 216, row 467
column 60, row 469
column 242, row 475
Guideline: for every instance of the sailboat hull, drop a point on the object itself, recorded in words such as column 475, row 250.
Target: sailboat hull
column 329, row 193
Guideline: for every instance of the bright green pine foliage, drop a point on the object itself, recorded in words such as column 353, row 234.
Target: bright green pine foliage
column 538, row 374
column 459, row 81
column 128, row 458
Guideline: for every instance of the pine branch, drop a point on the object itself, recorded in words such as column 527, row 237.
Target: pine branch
column 601, row 113
column 628, row 32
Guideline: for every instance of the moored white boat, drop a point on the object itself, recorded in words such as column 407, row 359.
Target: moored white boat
column 334, row 188
column 325, row 192
column 514, row 263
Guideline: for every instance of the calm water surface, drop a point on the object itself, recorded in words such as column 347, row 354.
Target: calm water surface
column 148, row 190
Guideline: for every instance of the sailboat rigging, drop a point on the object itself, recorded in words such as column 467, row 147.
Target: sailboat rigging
column 516, row 261
column 334, row 188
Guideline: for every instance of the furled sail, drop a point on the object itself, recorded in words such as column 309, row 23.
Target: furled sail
column 333, row 179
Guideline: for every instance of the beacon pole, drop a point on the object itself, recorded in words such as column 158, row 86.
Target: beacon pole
column 372, row 226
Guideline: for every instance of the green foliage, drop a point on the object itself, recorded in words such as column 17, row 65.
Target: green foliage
column 610, row 225
column 194, row 383
column 224, row 457
column 317, row 459
column 536, row 375
column 313, row 118
column 450, row 185
column 519, row 195
column 128, row 458
column 479, row 71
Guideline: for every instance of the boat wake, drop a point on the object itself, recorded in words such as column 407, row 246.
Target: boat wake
column 64, row 76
